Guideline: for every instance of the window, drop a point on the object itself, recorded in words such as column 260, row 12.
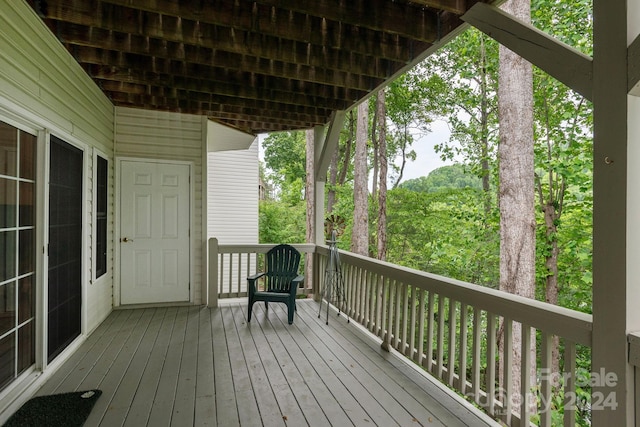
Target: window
column 101, row 206
column 17, row 252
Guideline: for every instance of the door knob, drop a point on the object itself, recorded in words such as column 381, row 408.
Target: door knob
column 126, row 240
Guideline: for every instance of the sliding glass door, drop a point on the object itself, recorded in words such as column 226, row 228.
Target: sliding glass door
column 17, row 252
column 65, row 246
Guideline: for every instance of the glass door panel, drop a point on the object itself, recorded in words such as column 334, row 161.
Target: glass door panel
column 65, row 246
column 17, row 252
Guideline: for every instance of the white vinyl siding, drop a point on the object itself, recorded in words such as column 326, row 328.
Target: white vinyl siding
column 41, row 77
column 233, row 195
column 42, row 86
column 162, row 135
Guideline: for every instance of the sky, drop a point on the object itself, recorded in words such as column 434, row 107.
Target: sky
column 426, row 157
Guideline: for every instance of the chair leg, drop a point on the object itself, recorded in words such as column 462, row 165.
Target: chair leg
column 291, row 308
column 266, row 305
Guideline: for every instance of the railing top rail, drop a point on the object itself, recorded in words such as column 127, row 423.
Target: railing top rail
column 263, row 248
column 556, row 320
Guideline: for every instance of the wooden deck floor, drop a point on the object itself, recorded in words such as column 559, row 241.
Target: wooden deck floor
column 193, row 366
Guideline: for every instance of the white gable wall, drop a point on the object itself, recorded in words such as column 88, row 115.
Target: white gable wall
column 233, row 195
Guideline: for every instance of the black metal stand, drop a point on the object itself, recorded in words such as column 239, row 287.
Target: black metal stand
column 333, row 291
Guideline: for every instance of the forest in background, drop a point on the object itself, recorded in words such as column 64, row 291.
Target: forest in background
column 448, row 222
column 466, row 220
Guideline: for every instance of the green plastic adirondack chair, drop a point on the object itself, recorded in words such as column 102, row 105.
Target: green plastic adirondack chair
column 281, row 280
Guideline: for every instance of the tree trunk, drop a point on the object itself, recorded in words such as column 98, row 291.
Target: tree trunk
column 552, row 209
column 517, row 188
column 484, row 128
column 311, row 203
column 333, row 179
column 382, row 185
column 551, row 281
column 374, row 144
column 342, row 176
column 360, row 233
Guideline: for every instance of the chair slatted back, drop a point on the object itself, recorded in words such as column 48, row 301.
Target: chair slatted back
column 282, row 267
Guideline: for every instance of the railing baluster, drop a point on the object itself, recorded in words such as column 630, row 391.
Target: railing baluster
column 420, row 327
column 451, row 357
column 248, row 271
column 396, row 320
column 221, row 273
column 347, row 278
column 366, row 301
column 405, row 320
column 546, row 371
column 362, row 283
column 383, row 308
column 491, row 363
column 477, row 347
column 411, row 349
column 391, row 313
column 430, row 321
column 381, row 301
column 371, row 295
column 462, row 361
column 358, row 290
column 230, row 274
column 525, row 372
column 570, row 383
column 239, row 272
column 440, row 341
column 507, row 366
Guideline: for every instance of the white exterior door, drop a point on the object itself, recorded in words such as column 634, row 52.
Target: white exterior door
column 154, row 232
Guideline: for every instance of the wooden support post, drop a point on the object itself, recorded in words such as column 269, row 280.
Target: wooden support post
column 609, row 354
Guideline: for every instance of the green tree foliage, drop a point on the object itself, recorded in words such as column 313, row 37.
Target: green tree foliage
column 281, row 223
column 444, row 178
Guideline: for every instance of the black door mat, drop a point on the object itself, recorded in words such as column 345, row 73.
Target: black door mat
column 56, row 410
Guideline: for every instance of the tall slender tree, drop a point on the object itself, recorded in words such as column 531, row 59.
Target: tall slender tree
column 517, row 191
column 311, row 204
column 360, row 232
column 382, row 179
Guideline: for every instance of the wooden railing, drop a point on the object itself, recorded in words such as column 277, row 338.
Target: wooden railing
column 452, row 329
column 229, row 266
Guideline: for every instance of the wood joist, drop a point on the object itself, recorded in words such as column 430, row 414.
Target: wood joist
column 259, row 65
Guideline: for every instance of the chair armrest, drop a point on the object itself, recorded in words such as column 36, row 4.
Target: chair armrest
column 295, row 284
column 256, row 276
column 252, row 282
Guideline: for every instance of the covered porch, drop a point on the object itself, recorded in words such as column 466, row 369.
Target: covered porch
column 136, row 56
column 184, row 366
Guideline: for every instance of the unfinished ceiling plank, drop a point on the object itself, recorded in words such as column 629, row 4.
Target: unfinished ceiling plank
column 260, row 65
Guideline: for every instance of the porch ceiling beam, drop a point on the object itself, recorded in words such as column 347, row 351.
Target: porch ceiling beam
column 187, row 103
column 214, row 59
column 237, row 30
column 454, row 6
column 330, row 144
column 293, row 15
column 180, row 76
column 559, row 60
column 633, row 62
